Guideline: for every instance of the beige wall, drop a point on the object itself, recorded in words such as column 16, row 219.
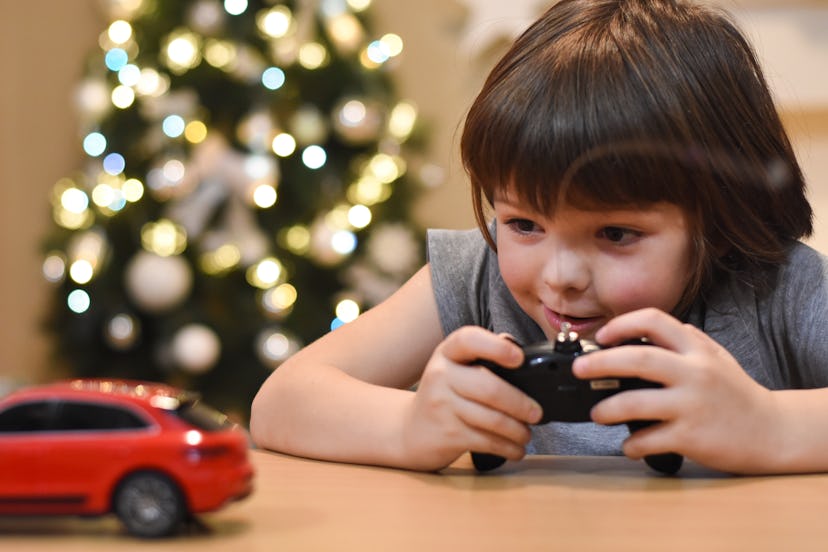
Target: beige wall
column 41, row 58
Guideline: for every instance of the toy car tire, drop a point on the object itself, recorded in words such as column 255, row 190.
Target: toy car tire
column 149, row 505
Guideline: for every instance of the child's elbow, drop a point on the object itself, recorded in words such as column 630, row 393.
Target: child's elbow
column 258, row 421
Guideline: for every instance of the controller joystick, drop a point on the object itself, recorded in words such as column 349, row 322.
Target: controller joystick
column 546, row 376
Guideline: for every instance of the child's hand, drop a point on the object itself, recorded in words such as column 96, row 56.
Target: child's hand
column 460, row 407
column 712, row 412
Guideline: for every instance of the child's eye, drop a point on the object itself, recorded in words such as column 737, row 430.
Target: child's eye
column 618, row 235
column 521, row 226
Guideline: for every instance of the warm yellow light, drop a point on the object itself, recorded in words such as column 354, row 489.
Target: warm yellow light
column 297, row 239
column 338, row 217
column 152, row 83
column 265, row 274
column 368, row 191
column 164, row 238
column 74, row 200
column 385, row 167
column 346, row 31
column 182, row 51
column 359, row 5
column 81, row 271
column 392, row 44
column 280, row 298
column 312, row 55
column 283, row 144
column 220, row 53
column 347, row 310
column 119, row 31
column 221, row 260
column 359, row 216
column 401, row 121
column 264, row 196
column 103, row 195
column 195, row 132
column 123, row 96
column 133, row 190
column 276, row 22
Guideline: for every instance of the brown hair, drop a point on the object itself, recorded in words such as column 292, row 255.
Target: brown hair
column 631, row 102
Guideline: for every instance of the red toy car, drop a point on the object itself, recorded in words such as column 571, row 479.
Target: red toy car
column 148, row 452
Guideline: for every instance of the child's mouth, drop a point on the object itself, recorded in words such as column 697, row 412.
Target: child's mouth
column 585, row 326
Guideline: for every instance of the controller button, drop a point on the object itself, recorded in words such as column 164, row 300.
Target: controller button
column 602, row 384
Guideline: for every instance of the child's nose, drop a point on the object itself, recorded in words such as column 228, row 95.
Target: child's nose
column 566, row 269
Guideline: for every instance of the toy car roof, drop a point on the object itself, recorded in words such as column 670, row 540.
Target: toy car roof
column 157, row 394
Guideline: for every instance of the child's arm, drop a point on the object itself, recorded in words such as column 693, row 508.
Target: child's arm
column 346, row 398
column 713, row 412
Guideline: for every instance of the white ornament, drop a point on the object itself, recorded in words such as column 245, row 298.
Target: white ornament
column 492, row 20
column 195, row 348
column 157, row 284
column 393, row 249
column 207, row 17
column 274, row 346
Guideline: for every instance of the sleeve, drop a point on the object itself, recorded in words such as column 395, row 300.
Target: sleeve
column 804, row 306
column 459, row 261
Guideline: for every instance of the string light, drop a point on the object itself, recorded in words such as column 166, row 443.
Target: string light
column 182, row 51
column 283, row 144
column 78, row 301
column 273, row 78
column 223, row 259
column 163, row 238
column 276, row 22
column 235, row 7
column 123, row 96
column 94, row 144
column 314, row 157
column 266, row 273
column 173, row 126
column 115, row 59
column 119, row 31
column 312, row 55
column 347, row 310
column 195, row 132
column 129, row 75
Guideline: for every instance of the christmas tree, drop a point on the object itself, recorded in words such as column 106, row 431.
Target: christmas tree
column 245, row 189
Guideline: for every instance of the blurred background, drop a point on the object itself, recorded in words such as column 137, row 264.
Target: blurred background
column 449, row 45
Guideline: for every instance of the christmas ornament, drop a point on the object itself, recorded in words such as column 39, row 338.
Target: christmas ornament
column 393, row 249
column 275, row 345
column 122, row 331
column 357, row 120
column 157, row 284
column 195, row 348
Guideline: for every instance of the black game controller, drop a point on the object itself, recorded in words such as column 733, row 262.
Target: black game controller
column 546, row 376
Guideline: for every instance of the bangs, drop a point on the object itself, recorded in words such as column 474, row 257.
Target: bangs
column 593, row 141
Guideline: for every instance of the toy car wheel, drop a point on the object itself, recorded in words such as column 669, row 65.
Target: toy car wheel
column 149, row 505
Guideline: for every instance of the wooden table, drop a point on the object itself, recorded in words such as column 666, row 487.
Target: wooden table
column 541, row 503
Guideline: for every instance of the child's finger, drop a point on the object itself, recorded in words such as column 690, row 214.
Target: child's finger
column 471, row 343
column 481, row 385
column 655, row 325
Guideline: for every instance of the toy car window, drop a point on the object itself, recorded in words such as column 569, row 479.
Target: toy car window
column 87, row 416
column 30, row 416
column 202, row 416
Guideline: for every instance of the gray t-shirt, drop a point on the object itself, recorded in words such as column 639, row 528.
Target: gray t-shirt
column 779, row 337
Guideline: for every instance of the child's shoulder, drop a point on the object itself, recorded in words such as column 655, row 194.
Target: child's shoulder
column 804, row 260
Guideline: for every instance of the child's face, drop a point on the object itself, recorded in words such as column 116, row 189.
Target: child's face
column 586, row 267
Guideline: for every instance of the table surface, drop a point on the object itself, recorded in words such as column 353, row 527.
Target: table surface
column 541, row 503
